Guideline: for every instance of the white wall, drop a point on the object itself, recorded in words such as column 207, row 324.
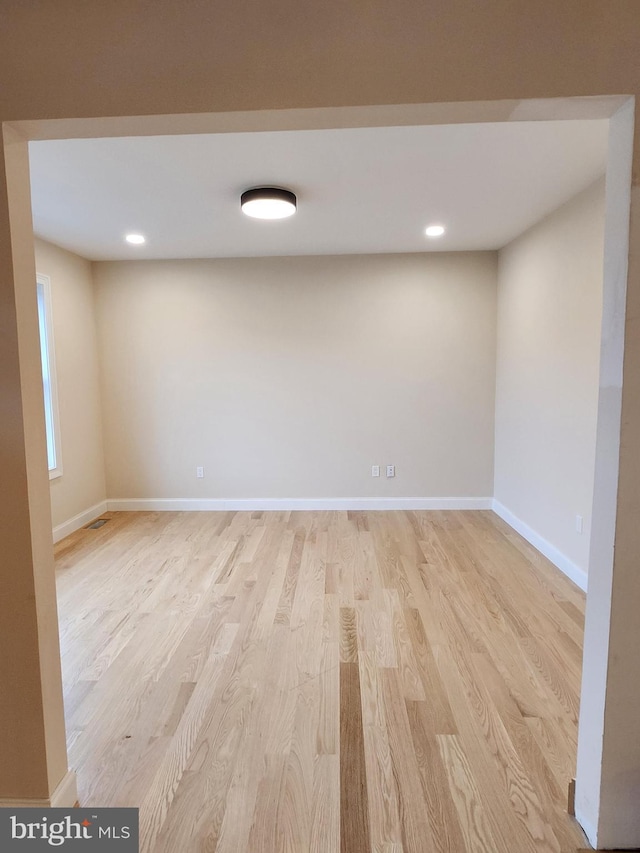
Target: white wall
column 82, row 484
column 290, row 377
column 549, row 316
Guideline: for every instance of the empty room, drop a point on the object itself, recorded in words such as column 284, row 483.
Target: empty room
column 322, row 486
column 262, row 645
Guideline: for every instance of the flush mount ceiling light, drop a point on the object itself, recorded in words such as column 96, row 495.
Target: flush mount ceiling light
column 268, row 203
column 135, row 239
column 434, row 230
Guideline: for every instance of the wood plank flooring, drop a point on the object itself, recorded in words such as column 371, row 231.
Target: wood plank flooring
column 334, row 682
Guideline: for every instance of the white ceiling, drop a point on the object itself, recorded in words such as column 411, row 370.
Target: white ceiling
column 361, row 190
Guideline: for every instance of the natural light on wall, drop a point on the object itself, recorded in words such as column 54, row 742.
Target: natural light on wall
column 52, row 424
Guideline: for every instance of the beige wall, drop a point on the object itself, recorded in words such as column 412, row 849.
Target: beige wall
column 290, row 377
column 549, row 316
column 115, row 58
column 82, row 484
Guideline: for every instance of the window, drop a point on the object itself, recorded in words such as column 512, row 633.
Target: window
column 52, row 422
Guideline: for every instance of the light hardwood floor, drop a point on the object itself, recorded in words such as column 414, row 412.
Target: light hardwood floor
column 394, row 682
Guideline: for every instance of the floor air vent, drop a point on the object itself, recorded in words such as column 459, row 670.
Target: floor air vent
column 96, row 524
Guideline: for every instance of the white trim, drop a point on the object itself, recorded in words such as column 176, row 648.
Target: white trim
column 291, row 504
column 78, row 521
column 588, row 829
column 44, row 282
column 65, row 796
column 570, row 569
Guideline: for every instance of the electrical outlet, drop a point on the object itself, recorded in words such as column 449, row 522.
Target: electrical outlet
column 199, row 472
column 391, row 470
column 578, row 524
column 375, row 470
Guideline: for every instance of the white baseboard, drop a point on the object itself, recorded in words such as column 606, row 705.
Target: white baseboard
column 291, row 504
column 78, row 521
column 575, row 573
column 65, row 796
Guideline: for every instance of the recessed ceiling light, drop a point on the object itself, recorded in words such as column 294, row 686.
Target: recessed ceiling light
column 135, row 239
column 434, row 230
column 268, row 203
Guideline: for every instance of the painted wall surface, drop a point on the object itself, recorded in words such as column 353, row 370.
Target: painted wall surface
column 82, row 484
column 291, row 377
column 118, row 58
column 548, row 360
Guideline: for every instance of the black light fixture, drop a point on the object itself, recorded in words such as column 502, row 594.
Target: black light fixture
column 268, row 203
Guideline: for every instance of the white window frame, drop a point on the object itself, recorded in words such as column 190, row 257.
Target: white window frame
column 50, row 389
